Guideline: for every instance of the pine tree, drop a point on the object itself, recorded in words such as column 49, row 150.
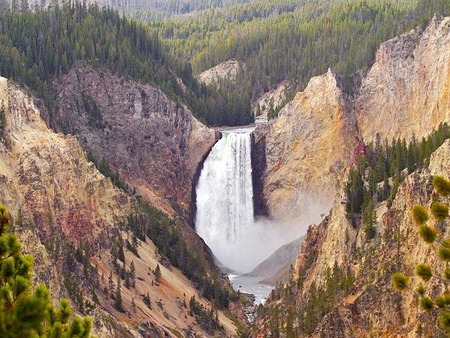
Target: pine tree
column 430, row 235
column 24, row 313
column 157, row 273
column 132, row 274
column 118, row 297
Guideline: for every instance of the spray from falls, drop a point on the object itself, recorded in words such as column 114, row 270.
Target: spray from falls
column 224, row 216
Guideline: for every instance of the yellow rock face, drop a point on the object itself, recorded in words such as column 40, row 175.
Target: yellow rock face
column 63, row 198
column 407, row 92
column 308, row 147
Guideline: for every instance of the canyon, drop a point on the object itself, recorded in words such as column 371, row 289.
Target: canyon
column 401, row 97
column 300, row 163
column 60, row 201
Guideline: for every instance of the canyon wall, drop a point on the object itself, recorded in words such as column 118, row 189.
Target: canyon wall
column 64, row 209
column 406, row 93
column 306, row 150
column 407, row 90
column 154, row 143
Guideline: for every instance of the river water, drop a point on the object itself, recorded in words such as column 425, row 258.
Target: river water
column 246, row 284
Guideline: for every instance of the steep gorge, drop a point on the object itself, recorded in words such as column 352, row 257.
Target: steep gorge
column 405, row 94
column 306, row 150
column 64, row 207
column 322, row 130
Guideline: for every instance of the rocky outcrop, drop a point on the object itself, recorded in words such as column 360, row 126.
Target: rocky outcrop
column 372, row 307
column 226, row 70
column 270, row 100
column 306, row 150
column 52, row 182
column 407, row 90
column 154, row 143
column 405, row 93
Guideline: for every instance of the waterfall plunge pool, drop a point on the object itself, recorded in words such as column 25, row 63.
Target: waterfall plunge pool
column 251, row 285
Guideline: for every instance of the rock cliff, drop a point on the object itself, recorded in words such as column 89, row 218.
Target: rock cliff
column 306, row 150
column 226, row 70
column 407, row 90
column 154, row 143
column 405, row 93
column 373, row 307
column 65, row 209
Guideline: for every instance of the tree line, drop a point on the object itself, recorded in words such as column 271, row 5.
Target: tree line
column 290, row 40
column 378, row 173
column 37, row 47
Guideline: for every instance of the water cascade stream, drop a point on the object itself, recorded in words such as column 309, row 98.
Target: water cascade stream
column 225, row 199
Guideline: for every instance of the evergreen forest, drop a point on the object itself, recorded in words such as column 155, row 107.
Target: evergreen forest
column 282, row 40
column 37, row 47
column 286, row 40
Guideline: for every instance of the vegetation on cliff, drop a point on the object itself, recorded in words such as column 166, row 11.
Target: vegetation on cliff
column 27, row 313
column 437, row 303
column 381, row 167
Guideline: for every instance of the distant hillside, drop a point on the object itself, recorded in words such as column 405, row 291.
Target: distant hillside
column 292, row 40
column 37, row 47
column 278, row 263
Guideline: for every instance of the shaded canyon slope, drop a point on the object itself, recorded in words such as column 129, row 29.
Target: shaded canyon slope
column 154, row 143
column 71, row 217
column 405, row 93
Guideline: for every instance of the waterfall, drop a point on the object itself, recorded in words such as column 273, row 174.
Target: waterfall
column 225, row 198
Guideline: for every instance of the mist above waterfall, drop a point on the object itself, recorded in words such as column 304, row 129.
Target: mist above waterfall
column 224, row 216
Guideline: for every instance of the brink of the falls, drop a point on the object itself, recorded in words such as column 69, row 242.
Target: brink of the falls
column 224, row 203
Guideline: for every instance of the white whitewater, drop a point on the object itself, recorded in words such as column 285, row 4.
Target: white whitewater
column 225, row 207
column 225, row 197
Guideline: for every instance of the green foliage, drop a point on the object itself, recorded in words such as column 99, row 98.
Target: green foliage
column 291, row 40
column 157, row 273
column 420, row 214
column 442, row 185
column 427, row 233
column 444, row 253
column 420, row 290
column 442, row 301
column 423, row 271
column 400, row 281
column 383, row 162
column 36, row 47
column 104, row 167
column 320, row 300
column 118, row 298
column 167, row 236
column 430, row 235
column 2, row 121
column 426, row 304
column 439, row 210
column 207, row 319
column 24, row 313
column 444, row 320
column 147, row 301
